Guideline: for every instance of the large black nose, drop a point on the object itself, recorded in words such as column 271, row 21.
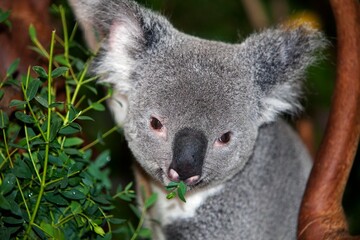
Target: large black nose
column 189, row 149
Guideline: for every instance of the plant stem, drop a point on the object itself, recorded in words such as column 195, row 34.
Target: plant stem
column 66, row 50
column 141, row 222
column 30, row 155
column 23, row 198
column 59, row 179
column 8, row 157
column 113, row 129
column 79, row 84
column 29, row 105
column 7, row 148
column 47, row 146
column 99, row 101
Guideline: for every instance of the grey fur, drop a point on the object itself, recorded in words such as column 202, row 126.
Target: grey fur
column 212, row 87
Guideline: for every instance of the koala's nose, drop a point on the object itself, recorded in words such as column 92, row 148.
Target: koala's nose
column 174, row 176
column 189, row 149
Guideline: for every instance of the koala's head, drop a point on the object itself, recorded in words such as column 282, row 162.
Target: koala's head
column 191, row 108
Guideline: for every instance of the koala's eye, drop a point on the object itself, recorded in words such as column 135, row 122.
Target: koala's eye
column 225, row 138
column 155, row 123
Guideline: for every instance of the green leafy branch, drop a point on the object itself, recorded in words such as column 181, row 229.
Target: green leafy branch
column 4, row 18
column 49, row 185
column 176, row 189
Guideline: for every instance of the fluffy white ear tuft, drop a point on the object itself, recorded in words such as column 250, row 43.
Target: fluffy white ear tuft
column 116, row 64
column 118, row 105
column 284, row 99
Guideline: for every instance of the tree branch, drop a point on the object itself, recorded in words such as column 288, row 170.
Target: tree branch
column 322, row 215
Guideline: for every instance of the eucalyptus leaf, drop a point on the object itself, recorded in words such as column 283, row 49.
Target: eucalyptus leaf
column 8, row 230
column 14, row 207
column 52, row 231
column 72, row 151
column 150, row 200
column 57, row 72
column 13, row 66
column 43, row 102
column 12, row 82
column 22, row 170
column 145, row 233
column 100, row 138
column 128, row 186
column 32, row 89
column 107, row 207
column 72, row 113
column 40, row 71
column 64, row 183
column 86, row 118
column 56, row 104
column 99, row 230
column 101, row 199
column 56, row 198
column 97, row 106
column 13, row 220
column 75, row 207
column 172, row 185
column 135, row 210
column 24, row 118
column 4, row 119
column 125, row 198
column 107, row 236
column 37, row 50
column 4, row 204
column 92, row 209
column 92, row 89
column 171, row 195
column 55, row 126
column 1, row 94
column 72, row 128
column 73, row 194
column 17, row 103
column 56, row 161
column 117, row 220
column 61, row 59
column 102, row 159
column 32, row 32
column 4, row 16
column 74, row 181
column 182, row 191
column 39, row 233
column 8, row 183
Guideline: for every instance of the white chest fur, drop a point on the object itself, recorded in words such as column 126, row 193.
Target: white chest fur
column 166, row 211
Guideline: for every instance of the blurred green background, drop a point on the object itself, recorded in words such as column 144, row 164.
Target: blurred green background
column 232, row 21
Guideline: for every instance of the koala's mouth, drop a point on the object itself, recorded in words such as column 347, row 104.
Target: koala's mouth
column 189, row 179
column 172, row 176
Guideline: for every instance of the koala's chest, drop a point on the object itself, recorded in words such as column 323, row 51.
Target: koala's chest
column 167, row 211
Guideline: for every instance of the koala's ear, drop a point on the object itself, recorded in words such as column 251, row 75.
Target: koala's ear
column 123, row 31
column 277, row 60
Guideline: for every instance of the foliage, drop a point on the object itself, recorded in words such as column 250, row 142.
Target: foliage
column 51, row 183
column 4, row 18
column 176, row 189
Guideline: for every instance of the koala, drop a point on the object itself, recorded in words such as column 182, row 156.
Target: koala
column 209, row 114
